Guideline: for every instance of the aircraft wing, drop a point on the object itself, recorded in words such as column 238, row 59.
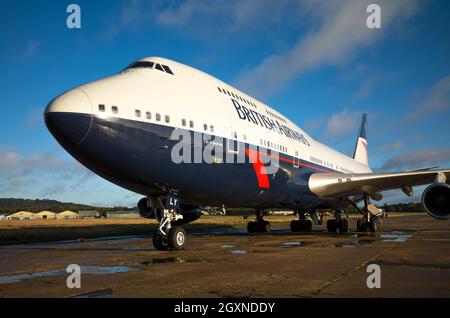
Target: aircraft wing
column 336, row 185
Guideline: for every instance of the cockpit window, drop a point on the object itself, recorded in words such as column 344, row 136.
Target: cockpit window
column 149, row 64
column 167, row 69
column 141, row 64
column 158, row 67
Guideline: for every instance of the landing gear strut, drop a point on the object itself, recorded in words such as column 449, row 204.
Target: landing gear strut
column 369, row 222
column 167, row 236
column 338, row 224
column 302, row 224
column 260, row 225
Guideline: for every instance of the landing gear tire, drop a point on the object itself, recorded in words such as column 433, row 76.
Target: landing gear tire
column 374, row 225
column 258, row 227
column 301, row 226
column 251, row 227
column 342, row 226
column 160, row 242
column 362, row 225
column 331, row 225
column 176, row 238
column 265, row 227
column 337, row 226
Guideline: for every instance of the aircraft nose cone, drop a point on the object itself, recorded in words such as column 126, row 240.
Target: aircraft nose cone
column 68, row 117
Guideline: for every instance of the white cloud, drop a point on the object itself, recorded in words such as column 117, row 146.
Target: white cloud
column 418, row 159
column 436, row 100
column 212, row 16
column 8, row 159
column 341, row 33
column 342, row 124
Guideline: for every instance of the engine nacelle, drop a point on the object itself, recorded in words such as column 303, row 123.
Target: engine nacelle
column 436, row 200
column 144, row 210
column 190, row 212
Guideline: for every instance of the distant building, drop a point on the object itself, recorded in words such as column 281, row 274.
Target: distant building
column 122, row 214
column 67, row 215
column 22, row 215
column 45, row 215
column 92, row 214
column 284, row 213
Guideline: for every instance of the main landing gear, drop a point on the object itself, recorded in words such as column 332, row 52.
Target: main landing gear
column 302, row 224
column 260, row 225
column 371, row 221
column 338, row 224
column 169, row 236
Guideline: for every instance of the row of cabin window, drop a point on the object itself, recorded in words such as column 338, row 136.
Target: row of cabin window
column 276, row 116
column 278, row 147
column 321, row 162
column 242, row 99
column 148, row 115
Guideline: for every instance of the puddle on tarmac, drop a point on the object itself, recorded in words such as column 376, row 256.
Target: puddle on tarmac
column 364, row 239
column 227, row 245
column 394, row 238
column 239, row 239
column 438, row 239
column 92, row 270
column 238, row 252
column 104, row 293
column 169, row 260
column 291, row 244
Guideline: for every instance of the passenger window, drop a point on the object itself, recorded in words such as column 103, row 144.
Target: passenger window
column 235, row 135
column 191, row 124
column 219, row 89
column 114, row 109
column 183, row 122
column 211, row 128
column 148, row 115
column 137, row 112
column 205, row 127
column 167, row 118
column 158, row 117
column 101, row 107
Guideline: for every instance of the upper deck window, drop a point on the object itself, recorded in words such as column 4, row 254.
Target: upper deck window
column 141, row 64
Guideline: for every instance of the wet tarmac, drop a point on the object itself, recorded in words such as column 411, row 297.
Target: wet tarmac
column 413, row 254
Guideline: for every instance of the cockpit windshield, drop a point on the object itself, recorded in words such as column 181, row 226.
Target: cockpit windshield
column 140, row 64
column 149, row 64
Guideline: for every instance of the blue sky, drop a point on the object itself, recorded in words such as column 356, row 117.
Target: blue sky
column 313, row 60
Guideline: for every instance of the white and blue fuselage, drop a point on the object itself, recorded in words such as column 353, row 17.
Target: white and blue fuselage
column 120, row 127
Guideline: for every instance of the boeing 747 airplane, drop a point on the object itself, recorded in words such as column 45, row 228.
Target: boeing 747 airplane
column 184, row 139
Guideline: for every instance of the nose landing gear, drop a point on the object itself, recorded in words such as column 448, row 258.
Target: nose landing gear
column 167, row 236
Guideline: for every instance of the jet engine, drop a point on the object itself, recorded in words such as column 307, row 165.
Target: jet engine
column 436, row 200
column 190, row 212
column 144, row 210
